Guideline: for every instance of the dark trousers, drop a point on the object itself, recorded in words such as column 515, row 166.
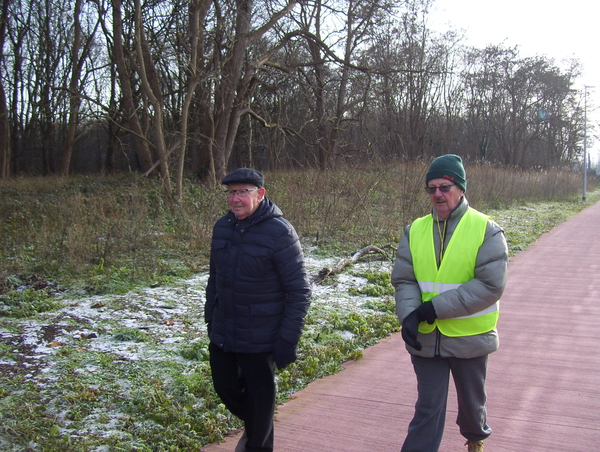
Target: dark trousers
column 433, row 374
column 245, row 382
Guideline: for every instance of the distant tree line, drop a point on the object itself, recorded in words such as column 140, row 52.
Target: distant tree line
column 176, row 87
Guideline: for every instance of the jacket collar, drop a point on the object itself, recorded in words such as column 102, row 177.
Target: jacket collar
column 457, row 213
column 265, row 210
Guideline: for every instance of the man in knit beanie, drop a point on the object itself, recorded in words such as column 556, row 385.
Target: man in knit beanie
column 449, row 167
column 449, row 274
column 446, row 182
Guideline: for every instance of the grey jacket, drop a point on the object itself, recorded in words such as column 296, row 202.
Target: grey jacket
column 472, row 296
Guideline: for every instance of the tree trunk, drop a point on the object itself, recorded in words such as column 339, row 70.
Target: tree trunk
column 74, row 100
column 129, row 110
column 198, row 10
column 327, row 271
column 5, row 140
column 151, row 87
column 5, row 148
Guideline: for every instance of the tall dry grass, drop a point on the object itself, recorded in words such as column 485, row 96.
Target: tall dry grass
column 372, row 205
column 105, row 233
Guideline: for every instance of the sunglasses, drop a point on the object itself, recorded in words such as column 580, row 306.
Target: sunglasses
column 442, row 188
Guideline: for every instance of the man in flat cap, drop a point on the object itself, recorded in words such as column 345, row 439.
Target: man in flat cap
column 449, row 274
column 257, row 297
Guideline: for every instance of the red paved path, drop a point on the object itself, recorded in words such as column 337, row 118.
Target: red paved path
column 543, row 383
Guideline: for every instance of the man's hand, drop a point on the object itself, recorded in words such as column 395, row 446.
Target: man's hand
column 426, row 312
column 284, row 353
column 410, row 329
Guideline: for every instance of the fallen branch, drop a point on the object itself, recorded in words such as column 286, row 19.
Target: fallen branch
column 328, row 271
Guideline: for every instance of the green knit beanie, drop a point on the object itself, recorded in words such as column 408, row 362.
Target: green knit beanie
column 448, row 167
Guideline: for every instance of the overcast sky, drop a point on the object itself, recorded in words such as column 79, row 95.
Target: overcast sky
column 559, row 30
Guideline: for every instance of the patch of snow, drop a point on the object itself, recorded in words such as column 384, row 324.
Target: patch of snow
column 167, row 315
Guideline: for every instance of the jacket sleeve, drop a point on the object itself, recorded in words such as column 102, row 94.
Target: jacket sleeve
column 211, row 291
column 289, row 264
column 408, row 293
column 488, row 282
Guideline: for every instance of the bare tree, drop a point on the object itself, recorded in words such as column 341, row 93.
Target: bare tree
column 17, row 77
column 338, row 34
column 422, row 65
column 237, row 75
column 5, row 142
column 129, row 108
column 80, row 51
column 520, row 110
column 50, row 50
column 198, row 10
column 151, row 88
column 180, row 86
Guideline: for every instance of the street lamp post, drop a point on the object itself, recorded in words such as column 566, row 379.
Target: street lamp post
column 585, row 88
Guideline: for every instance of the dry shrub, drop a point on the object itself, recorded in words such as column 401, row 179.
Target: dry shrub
column 496, row 187
column 79, row 227
column 85, row 226
column 353, row 207
column 350, row 205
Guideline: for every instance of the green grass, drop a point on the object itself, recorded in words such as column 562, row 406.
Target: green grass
column 526, row 223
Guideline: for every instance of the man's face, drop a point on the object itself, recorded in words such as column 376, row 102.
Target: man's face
column 244, row 206
column 444, row 203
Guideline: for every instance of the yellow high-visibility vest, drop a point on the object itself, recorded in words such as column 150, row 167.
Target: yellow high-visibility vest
column 457, row 267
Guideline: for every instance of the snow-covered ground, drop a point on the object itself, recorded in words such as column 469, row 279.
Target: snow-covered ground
column 163, row 316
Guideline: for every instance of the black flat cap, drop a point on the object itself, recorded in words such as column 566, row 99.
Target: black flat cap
column 245, row 176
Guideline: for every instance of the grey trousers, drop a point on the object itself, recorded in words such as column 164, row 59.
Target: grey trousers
column 433, row 374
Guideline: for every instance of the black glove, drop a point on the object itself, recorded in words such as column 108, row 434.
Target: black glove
column 284, row 353
column 426, row 312
column 410, row 329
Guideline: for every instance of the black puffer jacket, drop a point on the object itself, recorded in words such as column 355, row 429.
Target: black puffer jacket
column 258, row 290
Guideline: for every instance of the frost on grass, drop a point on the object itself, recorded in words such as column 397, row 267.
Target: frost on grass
column 165, row 316
column 97, row 359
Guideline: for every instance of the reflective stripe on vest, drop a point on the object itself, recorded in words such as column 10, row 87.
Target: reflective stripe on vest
column 457, row 267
